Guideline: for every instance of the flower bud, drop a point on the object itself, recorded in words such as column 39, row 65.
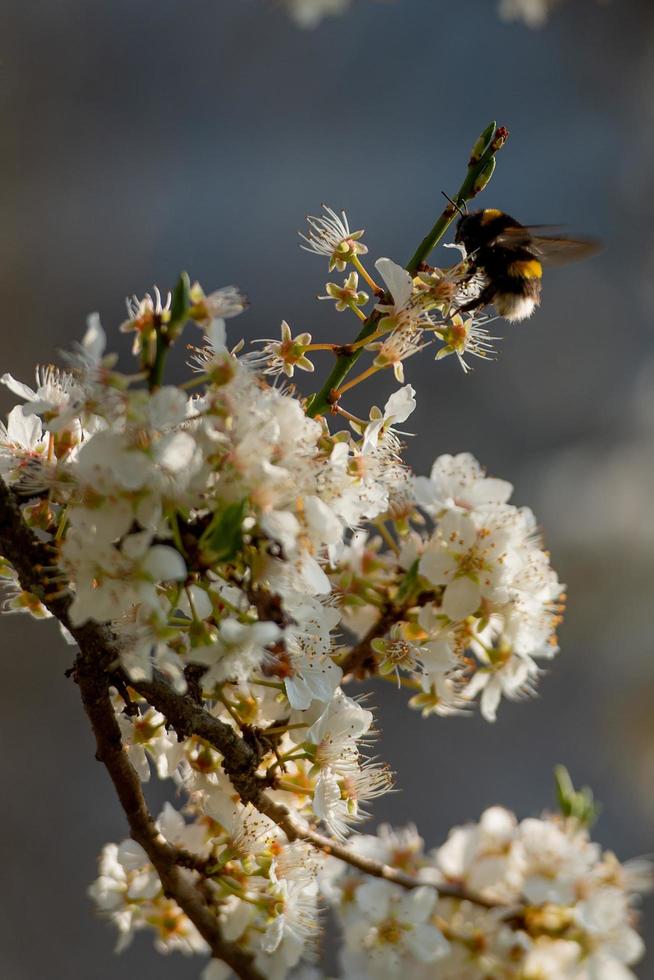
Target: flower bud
column 500, row 138
column 483, row 177
column 481, row 144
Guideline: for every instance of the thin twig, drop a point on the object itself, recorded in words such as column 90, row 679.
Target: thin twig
column 377, row 869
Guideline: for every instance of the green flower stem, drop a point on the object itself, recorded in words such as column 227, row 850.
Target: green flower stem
column 274, row 684
column 480, row 168
column 291, row 788
column 167, row 333
column 359, row 378
column 350, row 417
column 401, row 681
column 387, row 536
column 355, row 309
column 156, row 373
column 281, row 729
column 361, row 269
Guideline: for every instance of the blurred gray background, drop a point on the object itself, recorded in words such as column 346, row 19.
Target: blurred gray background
column 142, row 138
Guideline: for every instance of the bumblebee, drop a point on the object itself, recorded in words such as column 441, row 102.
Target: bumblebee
column 507, row 259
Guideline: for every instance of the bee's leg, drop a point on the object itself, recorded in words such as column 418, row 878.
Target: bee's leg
column 468, row 307
column 485, row 298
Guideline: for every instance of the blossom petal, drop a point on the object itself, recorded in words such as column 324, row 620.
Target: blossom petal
column 94, row 340
column 24, row 430
column 17, row 387
column 461, row 598
column 400, row 404
column 165, row 564
column 398, row 280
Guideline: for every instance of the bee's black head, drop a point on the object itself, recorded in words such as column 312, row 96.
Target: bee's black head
column 482, row 228
column 468, row 229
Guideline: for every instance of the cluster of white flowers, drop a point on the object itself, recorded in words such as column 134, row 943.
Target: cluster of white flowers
column 417, row 310
column 129, row 891
column 475, row 602
column 498, row 596
column 566, row 911
column 226, row 534
column 266, row 890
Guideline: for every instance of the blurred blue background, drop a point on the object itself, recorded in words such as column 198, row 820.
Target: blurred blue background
column 144, row 138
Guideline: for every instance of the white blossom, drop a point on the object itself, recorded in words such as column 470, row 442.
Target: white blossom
column 237, row 650
column 329, row 234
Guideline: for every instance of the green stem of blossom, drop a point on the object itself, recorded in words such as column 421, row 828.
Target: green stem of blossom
column 292, row 788
column 379, row 332
column 387, row 536
column 63, row 521
column 477, row 176
column 373, row 598
column 349, row 416
column 363, row 272
column 215, row 867
column 281, row 729
column 173, row 522
column 236, row 889
column 294, row 754
column 400, row 681
column 355, row 309
column 228, row 705
column 368, row 373
column 155, row 375
column 276, row 684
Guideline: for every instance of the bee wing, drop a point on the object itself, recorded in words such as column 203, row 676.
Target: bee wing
column 559, row 251
column 550, row 249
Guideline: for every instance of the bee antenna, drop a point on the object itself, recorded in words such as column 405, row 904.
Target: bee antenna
column 455, row 205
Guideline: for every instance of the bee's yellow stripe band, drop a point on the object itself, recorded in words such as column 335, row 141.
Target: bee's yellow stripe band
column 489, row 214
column 526, row 269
